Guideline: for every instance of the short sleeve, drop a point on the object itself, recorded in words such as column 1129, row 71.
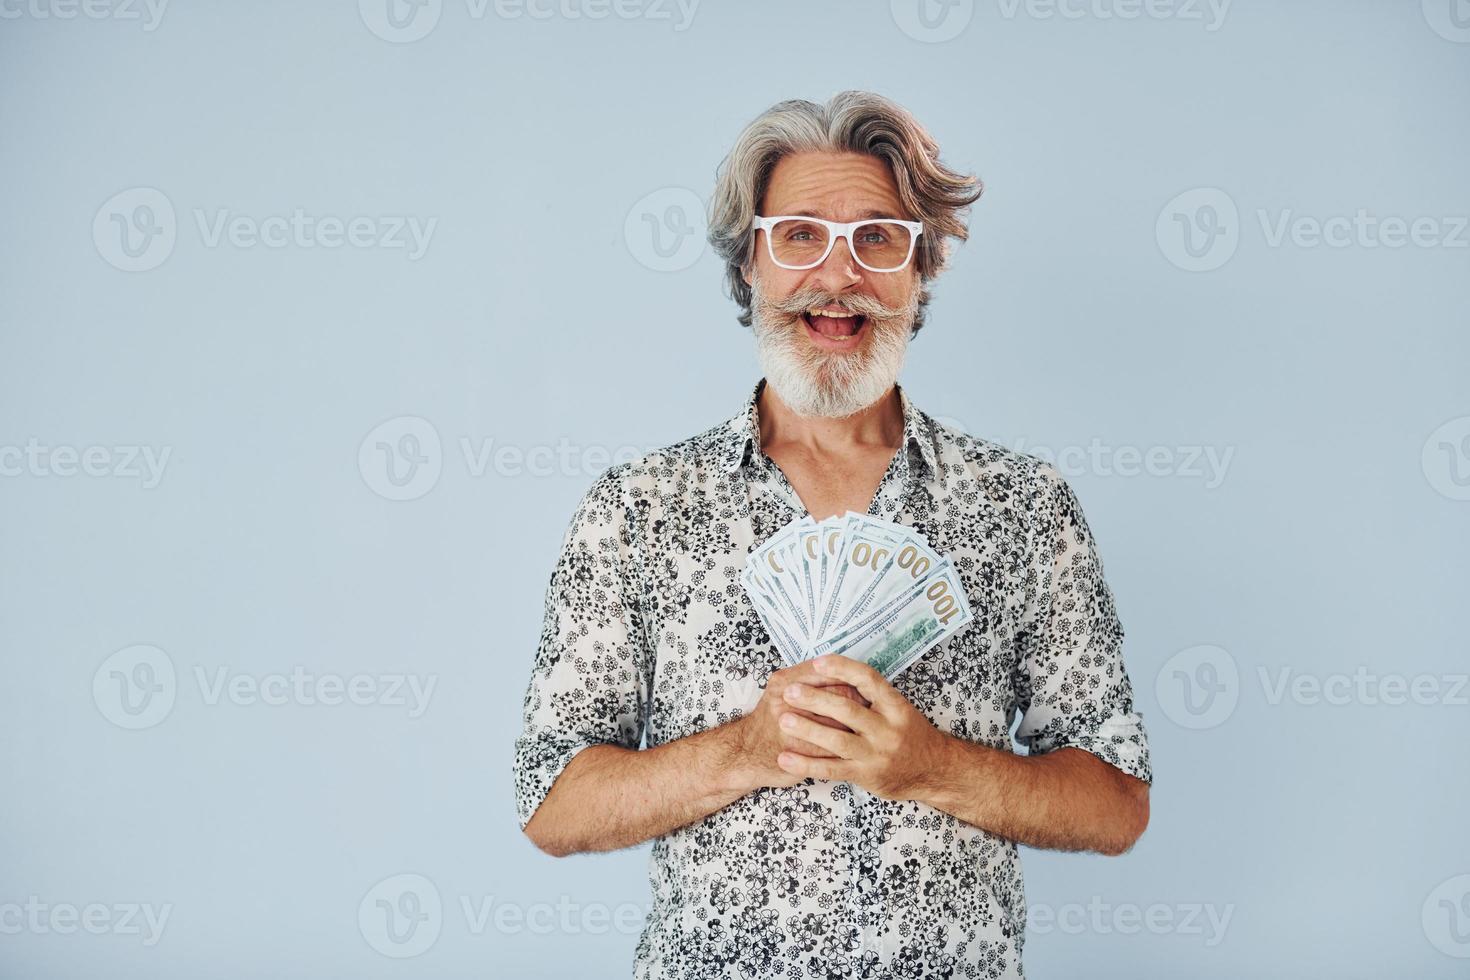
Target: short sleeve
column 1071, row 684
column 589, row 683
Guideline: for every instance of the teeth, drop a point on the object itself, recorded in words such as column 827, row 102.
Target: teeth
column 840, row 336
column 836, row 316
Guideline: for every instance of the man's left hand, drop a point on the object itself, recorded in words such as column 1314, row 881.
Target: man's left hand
column 892, row 748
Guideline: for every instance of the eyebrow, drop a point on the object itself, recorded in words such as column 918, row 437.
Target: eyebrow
column 797, row 209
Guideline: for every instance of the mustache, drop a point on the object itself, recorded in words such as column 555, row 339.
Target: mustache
column 808, row 297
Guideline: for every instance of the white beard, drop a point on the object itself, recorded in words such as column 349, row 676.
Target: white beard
column 832, row 384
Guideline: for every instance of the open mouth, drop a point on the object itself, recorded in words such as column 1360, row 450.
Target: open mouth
column 834, row 329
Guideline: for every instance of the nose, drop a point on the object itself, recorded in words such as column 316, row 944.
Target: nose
column 839, row 271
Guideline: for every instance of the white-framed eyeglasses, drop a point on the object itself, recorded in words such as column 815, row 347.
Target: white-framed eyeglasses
column 797, row 241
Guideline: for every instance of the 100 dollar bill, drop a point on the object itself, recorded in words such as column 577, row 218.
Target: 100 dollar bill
column 892, row 637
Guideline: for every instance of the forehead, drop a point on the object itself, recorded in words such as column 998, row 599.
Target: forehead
column 835, row 186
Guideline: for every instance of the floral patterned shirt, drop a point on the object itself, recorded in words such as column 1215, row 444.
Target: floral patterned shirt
column 649, row 637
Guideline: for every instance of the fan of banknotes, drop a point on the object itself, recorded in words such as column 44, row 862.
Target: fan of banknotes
column 855, row 585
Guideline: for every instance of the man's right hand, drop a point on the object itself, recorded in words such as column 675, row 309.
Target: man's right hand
column 760, row 738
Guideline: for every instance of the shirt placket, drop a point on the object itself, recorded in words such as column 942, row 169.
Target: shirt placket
column 871, row 811
column 774, row 482
column 863, row 813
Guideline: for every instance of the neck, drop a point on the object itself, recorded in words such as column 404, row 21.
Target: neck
column 878, row 425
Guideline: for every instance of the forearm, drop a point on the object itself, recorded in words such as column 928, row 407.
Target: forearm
column 1066, row 800
column 609, row 797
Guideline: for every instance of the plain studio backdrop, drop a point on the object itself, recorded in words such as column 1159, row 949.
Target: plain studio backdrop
column 317, row 320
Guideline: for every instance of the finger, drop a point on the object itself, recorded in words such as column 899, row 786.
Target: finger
column 835, row 706
column 804, row 747
column 802, row 765
column 845, row 690
column 832, row 722
column 835, row 740
column 870, row 684
column 806, row 672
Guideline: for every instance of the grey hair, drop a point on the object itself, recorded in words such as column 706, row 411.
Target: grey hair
column 852, row 121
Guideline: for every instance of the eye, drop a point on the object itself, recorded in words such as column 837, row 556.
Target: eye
column 798, row 231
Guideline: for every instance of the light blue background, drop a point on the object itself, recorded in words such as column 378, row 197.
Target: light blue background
column 1334, row 543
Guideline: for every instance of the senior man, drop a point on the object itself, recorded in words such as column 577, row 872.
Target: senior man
column 819, row 820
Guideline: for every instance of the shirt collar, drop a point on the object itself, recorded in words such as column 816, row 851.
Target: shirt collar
column 741, row 435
